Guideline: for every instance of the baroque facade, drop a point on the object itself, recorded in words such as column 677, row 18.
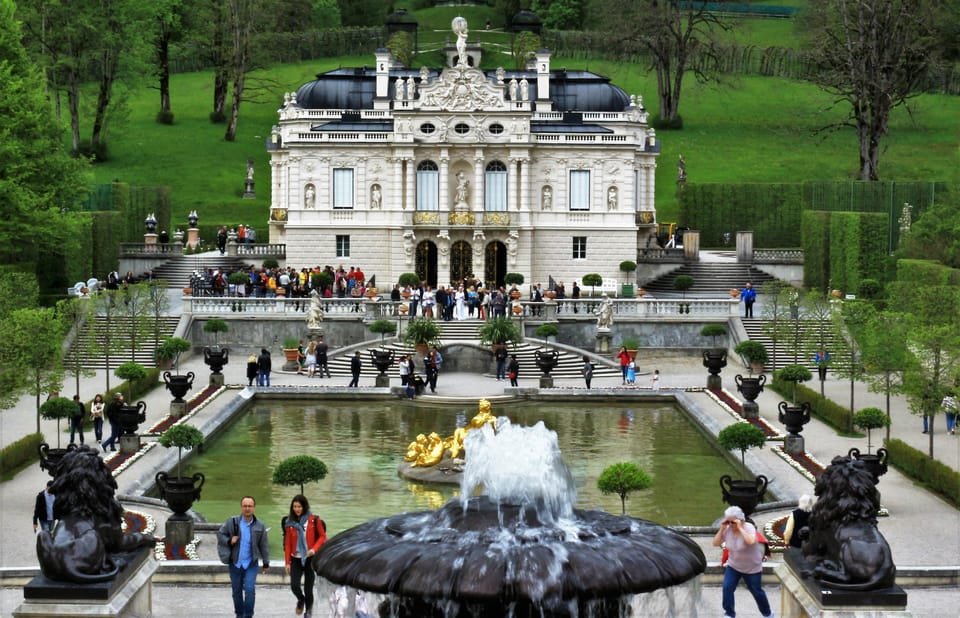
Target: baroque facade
column 460, row 171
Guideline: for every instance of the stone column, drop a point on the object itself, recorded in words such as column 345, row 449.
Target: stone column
column 745, row 247
column 477, row 205
column 513, row 192
column 410, row 178
column 443, row 193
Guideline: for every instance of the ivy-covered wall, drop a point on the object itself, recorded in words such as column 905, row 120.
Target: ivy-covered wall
column 843, row 248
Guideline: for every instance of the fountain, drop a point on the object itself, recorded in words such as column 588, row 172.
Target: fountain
column 520, row 549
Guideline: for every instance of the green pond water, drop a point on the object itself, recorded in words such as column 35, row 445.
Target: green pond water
column 362, row 444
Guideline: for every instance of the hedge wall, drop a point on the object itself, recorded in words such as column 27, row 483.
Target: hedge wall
column 930, row 472
column 925, row 272
column 857, row 249
column 772, row 211
column 815, row 234
column 826, row 410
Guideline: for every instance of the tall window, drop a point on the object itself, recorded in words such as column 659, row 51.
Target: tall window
column 579, row 247
column 579, row 190
column 343, row 246
column 428, row 186
column 495, row 187
column 342, row 187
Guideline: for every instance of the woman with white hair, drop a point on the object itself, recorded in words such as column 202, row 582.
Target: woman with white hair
column 798, row 520
column 745, row 560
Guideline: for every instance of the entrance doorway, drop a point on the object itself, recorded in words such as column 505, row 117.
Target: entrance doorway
column 426, row 264
column 461, row 261
column 495, row 264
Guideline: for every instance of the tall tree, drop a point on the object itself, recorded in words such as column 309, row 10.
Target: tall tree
column 245, row 19
column 886, row 357
column 169, row 16
column 77, row 316
column 679, row 36
column 872, row 55
column 31, row 356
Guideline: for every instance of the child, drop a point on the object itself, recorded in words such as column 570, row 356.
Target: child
column 655, row 380
column 632, row 372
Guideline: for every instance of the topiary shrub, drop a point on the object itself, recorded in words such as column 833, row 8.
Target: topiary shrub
column 621, row 479
column 383, row 328
column 741, row 436
column 794, row 374
column 546, row 331
column 215, row 326
column 56, row 409
column 682, row 283
column 713, row 331
column 593, row 280
column 182, row 436
column 513, row 279
column 754, row 353
column 298, row 470
column 271, row 263
column 628, row 266
column 409, row 279
column 869, row 419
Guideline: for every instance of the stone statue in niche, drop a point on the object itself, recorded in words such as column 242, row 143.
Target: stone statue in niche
column 612, row 198
column 375, row 197
column 409, row 244
column 310, row 197
column 547, row 198
column 463, row 187
column 512, row 242
column 411, row 89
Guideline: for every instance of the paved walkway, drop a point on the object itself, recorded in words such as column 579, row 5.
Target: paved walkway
column 922, row 529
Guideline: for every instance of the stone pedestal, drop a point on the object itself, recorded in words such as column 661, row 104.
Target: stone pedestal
column 248, row 192
column 232, row 244
column 691, row 245
column 129, row 595
column 603, row 341
column 807, row 598
column 751, row 409
column 178, row 409
column 178, row 531
column 150, row 242
column 745, row 247
column 546, row 381
column 793, row 444
column 129, row 443
column 193, row 237
column 216, row 379
column 714, row 382
column 382, row 381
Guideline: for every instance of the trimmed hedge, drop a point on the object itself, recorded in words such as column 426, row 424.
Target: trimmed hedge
column 824, row 409
column 926, row 272
column 139, row 387
column 815, row 234
column 23, row 451
column 772, row 211
column 843, row 248
column 933, row 474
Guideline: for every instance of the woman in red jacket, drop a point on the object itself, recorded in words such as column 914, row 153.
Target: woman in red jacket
column 625, row 359
column 303, row 534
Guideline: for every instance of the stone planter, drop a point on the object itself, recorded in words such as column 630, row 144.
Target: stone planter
column 877, row 464
column 714, row 360
column 750, row 388
column 215, row 357
column 179, row 493
column 50, row 457
column 129, row 417
column 546, row 360
column 382, row 360
column 742, row 493
column 794, row 417
column 178, row 385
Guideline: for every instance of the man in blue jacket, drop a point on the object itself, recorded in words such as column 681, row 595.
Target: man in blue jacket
column 246, row 538
column 749, row 296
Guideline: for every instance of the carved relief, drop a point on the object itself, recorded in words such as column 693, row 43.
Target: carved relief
column 409, row 243
column 461, row 89
column 512, row 242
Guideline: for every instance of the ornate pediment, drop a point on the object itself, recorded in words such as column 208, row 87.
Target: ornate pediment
column 462, row 89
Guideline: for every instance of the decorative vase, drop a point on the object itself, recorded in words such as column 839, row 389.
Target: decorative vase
column 546, row 360
column 876, row 464
column 794, row 417
column 50, row 458
column 129, row 417
column 179, row 493
column 178, row 385
column 750, row 387
column 215, row 357
column 382, row 360
column 714, row 360
column 743, row 493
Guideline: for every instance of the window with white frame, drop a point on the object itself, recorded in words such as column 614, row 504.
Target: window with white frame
column 495, row 187
column 428, row 186
column 343, row 187
column 343, row 246
column 579, row 190
column 579, row 247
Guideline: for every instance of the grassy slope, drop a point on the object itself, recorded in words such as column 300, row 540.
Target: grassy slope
column 748, row 129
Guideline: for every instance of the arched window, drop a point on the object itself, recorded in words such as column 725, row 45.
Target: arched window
column 495, row 187
column 428, row 186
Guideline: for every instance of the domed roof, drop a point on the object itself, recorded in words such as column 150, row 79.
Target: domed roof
column 570, row 91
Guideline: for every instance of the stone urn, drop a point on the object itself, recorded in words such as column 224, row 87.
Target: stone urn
column 750, row 388
column 714, row 360
column 50, row 457
column 129, row 417
column 743, row 493
column 178, row 385
column 876, row 464
column 382, row 359
column 179, row 493
column 794, row 417
column 215, row 357
column 546, row 360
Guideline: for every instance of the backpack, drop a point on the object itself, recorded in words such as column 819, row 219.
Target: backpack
column 314, row 518
column 223, row 547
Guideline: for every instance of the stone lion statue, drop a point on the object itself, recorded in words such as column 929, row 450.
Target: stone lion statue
column 843, row 544
column 83, row 546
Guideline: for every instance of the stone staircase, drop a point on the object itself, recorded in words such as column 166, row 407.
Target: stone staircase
column 144, row 353
column 465, row 333
column 709, row 278
column 796, row 346
column 177, row 271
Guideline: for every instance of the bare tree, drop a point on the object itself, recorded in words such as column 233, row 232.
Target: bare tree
column 872, row 55
column 243, row 20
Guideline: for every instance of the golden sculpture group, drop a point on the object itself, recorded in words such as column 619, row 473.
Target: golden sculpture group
column 428, row 451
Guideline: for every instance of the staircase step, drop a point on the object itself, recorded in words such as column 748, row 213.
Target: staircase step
column 145, row 353
column 710, row 277
column 787, row 353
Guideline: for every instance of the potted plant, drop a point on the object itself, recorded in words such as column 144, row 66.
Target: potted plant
column 383, row 328
column 632, row 344
column 546, row 359
column 170, row 350
column 291, row 350
column 214, row 356
column 130, row 416
column 743, row 493
column 422, row 333
column 714, row 359
column 593, row 280
column 382, row 358
column 622, row 478
column 513, row 280
column 499, row 331
column 408, row 280
column 754, row 355
column 238, row 281
column 794, row 374
column 298, row 470
column 180, row 493
column 626, row 289
column 870, row 419
column 321, row 281
column 55, row 409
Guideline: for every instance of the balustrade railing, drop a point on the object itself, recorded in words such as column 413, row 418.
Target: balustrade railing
column 658, row 254
column 134, row 249
column 274, row 250
column 778, row 256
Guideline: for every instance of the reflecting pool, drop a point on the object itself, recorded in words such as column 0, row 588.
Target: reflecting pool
column 362, row 444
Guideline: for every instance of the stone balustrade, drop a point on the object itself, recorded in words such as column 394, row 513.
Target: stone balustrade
column 137, row 249
column 778, row 256
column 274, row 250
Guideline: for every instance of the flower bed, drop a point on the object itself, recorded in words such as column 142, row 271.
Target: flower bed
column 732, row 405
column 803, row 463
column 121, row 461
column 197, row 403
column 176, row 551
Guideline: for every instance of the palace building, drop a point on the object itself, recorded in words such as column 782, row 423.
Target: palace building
column 460, row 171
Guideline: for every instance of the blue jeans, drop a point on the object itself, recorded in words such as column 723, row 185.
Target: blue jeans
column 263, row 378
column 502, row 369
column 112, row 440
column 76, row 426
column 244, row 583
column 951, row 421
column 731, row 578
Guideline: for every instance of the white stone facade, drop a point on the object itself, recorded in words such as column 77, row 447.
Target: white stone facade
column 460, row 171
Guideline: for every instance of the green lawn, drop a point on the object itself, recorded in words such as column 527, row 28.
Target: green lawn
column 745, row 129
